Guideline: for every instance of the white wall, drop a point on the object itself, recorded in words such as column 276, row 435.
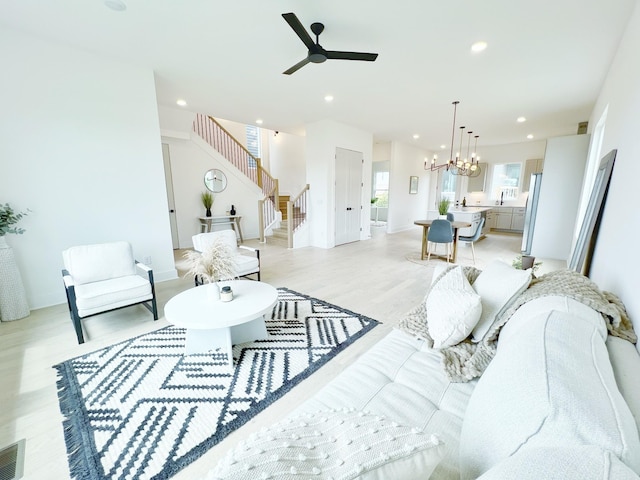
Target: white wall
column 381, row 151
column 564, row 164
column 615, row 263
column 190, row 160
column 80, row 147
column 288, row 162
column 322, row 139
column 405, row 208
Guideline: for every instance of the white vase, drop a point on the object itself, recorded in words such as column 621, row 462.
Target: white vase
column 13, row 298
column 213, row 291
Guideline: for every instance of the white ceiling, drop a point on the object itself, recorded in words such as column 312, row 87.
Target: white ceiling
column 545, row 60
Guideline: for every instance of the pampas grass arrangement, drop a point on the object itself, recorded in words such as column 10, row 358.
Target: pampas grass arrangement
column 215, row 263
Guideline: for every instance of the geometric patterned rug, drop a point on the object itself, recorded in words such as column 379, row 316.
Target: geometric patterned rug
column 141, row 409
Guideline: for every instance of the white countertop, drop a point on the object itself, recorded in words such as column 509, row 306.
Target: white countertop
column 469, row 209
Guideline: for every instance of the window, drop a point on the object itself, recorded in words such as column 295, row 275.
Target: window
column 381, row 189
column 253, row 143
column 505, row 184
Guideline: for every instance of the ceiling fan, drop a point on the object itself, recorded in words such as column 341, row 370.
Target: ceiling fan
column 317, row 54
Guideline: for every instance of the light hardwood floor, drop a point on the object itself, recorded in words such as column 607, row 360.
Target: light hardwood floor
column 372, row 277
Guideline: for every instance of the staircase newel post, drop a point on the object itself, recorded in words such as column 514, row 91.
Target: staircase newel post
column 276, row 194
column 290, row 224
column 261, row 219
column 259, row 172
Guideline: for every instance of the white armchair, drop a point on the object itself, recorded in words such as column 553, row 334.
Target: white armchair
column 103, row 277
column 245, row 264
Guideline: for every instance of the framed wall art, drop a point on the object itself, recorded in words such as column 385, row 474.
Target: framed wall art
column 413, row 184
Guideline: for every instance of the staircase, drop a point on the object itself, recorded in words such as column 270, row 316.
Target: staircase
column 281, row 234
column 268, row 208
column 282, row 206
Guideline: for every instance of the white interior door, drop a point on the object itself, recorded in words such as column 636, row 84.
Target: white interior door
column 348, row 195
column 170, row 200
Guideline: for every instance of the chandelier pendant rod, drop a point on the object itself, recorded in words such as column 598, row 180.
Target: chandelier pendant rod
column 453, row 132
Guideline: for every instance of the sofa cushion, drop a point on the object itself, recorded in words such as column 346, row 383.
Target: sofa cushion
column 401, row 378
column 498, row 285
column 550, row 384
column 333, row 444
column 625, row 361
column 93, row 263
column 585, row 462
column 453, row 309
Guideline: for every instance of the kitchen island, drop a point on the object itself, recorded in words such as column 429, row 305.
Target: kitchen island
column 471, row 215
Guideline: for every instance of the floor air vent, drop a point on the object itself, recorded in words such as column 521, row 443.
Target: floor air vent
column 12, row 461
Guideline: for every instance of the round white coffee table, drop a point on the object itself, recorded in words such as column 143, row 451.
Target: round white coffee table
column 212, row 323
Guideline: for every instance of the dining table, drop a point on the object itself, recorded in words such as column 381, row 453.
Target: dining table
column 425, row 224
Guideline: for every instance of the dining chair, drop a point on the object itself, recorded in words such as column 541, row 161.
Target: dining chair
column 440, row 231
column 473, row 238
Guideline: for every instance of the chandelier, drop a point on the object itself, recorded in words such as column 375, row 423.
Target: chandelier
column 468, row 166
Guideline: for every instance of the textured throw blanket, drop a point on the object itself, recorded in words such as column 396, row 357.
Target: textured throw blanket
column 467, row 360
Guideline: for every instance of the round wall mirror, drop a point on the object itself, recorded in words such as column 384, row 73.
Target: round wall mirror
column 215, row 180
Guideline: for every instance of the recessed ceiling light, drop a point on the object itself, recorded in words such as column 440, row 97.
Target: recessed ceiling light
column 478, row 46
column 116, row 5
column 181, row 102
column 529, row 136
column 521, row 119
column 328, row 98
column 416, row 136
column 443, row 147
column 259, row 121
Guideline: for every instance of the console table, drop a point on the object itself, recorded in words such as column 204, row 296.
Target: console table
column 206, row 223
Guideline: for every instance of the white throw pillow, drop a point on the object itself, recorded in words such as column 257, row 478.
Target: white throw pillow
column 453, row 309
column 498, row 285
column 333, row 444
column 584, row 462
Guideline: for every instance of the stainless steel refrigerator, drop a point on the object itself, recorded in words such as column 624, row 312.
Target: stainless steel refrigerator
column 530, row 213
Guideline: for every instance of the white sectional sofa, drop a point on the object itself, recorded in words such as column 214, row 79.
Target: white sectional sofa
column 559, row 399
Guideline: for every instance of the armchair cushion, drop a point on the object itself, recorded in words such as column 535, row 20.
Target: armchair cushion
column 94, row 263
column 96, row 297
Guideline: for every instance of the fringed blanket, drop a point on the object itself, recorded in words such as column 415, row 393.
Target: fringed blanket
column 467, row 360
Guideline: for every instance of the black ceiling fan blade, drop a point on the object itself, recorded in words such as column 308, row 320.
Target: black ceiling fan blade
column 297, row 27
column 297, row 66
column 367, row 57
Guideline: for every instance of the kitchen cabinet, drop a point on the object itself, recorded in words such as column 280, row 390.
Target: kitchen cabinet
column 509, row 218
column 477, row 184
column 517, row 220
column 531, row 166
column 503, row 220
column 490, row 221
